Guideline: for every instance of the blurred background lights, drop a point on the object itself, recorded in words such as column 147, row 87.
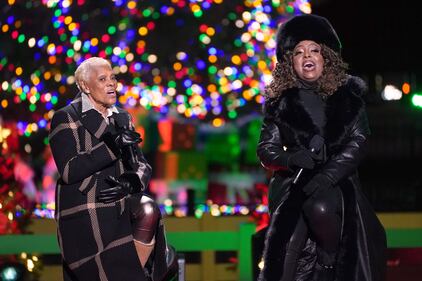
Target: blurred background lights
column 219, row 75
column 9, row 273
column 391, row 92
column 405, row 88
column 417, row 100
column 12, row 271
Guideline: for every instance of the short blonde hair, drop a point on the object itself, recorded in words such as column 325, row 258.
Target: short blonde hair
column 82, row 72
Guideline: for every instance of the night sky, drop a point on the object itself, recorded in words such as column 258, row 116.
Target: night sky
column 377, row 36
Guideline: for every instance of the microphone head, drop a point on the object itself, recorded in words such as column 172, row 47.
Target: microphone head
column 316, row 142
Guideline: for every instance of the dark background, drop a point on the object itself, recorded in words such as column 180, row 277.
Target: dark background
column 384, row 38
column 376, row 35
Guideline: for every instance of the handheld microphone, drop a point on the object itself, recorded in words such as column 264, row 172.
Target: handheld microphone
column 316, row 144
column 130, row 149
column 132, row 154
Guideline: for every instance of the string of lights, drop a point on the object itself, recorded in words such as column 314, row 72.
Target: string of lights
column 202, row 59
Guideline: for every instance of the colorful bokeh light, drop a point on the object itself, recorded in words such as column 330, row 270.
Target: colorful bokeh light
column 204, row 59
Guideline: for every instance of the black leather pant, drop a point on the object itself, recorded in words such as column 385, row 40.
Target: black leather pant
column 145, row 214
column 321, row 220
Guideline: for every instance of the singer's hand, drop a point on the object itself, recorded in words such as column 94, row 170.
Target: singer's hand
column 302, row 159
column 127, row 137
column 317, row 184
column 117, row 191
column 128, row 183
column 123, row 138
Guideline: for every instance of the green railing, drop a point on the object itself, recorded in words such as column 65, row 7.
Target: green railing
column 191, row 241
column 404, row 238
column 183, row 241
column 196, row 241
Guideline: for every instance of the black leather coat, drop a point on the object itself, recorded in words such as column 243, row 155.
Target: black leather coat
column 288, row 127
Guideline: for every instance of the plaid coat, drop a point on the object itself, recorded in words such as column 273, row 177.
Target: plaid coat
column 95, row 239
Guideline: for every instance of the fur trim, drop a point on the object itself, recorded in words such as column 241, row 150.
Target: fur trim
column 342, row 110
column 306, row 27
column 357, row 85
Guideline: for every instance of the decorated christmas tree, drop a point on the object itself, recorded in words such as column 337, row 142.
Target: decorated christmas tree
column 15, row 207
column 207, row 60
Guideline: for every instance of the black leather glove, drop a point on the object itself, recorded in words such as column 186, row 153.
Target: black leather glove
column 302, row 159
column 127, row 183
column 127, row 137
column 123, row 138
column 318, row 183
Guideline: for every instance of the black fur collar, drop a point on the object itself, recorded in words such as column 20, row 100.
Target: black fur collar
column 343, row 107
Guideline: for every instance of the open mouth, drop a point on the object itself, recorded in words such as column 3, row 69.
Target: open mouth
column 308, row 65
column 111, row 93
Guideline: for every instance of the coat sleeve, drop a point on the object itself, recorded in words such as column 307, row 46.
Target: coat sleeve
column 345, row 162
column 144, row 170
column 270, row 148
column 73, row 164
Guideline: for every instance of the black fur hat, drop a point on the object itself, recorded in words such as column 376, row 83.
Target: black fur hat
column 306, row 27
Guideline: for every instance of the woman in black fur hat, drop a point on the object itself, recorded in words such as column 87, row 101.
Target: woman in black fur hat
column 313, row 137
